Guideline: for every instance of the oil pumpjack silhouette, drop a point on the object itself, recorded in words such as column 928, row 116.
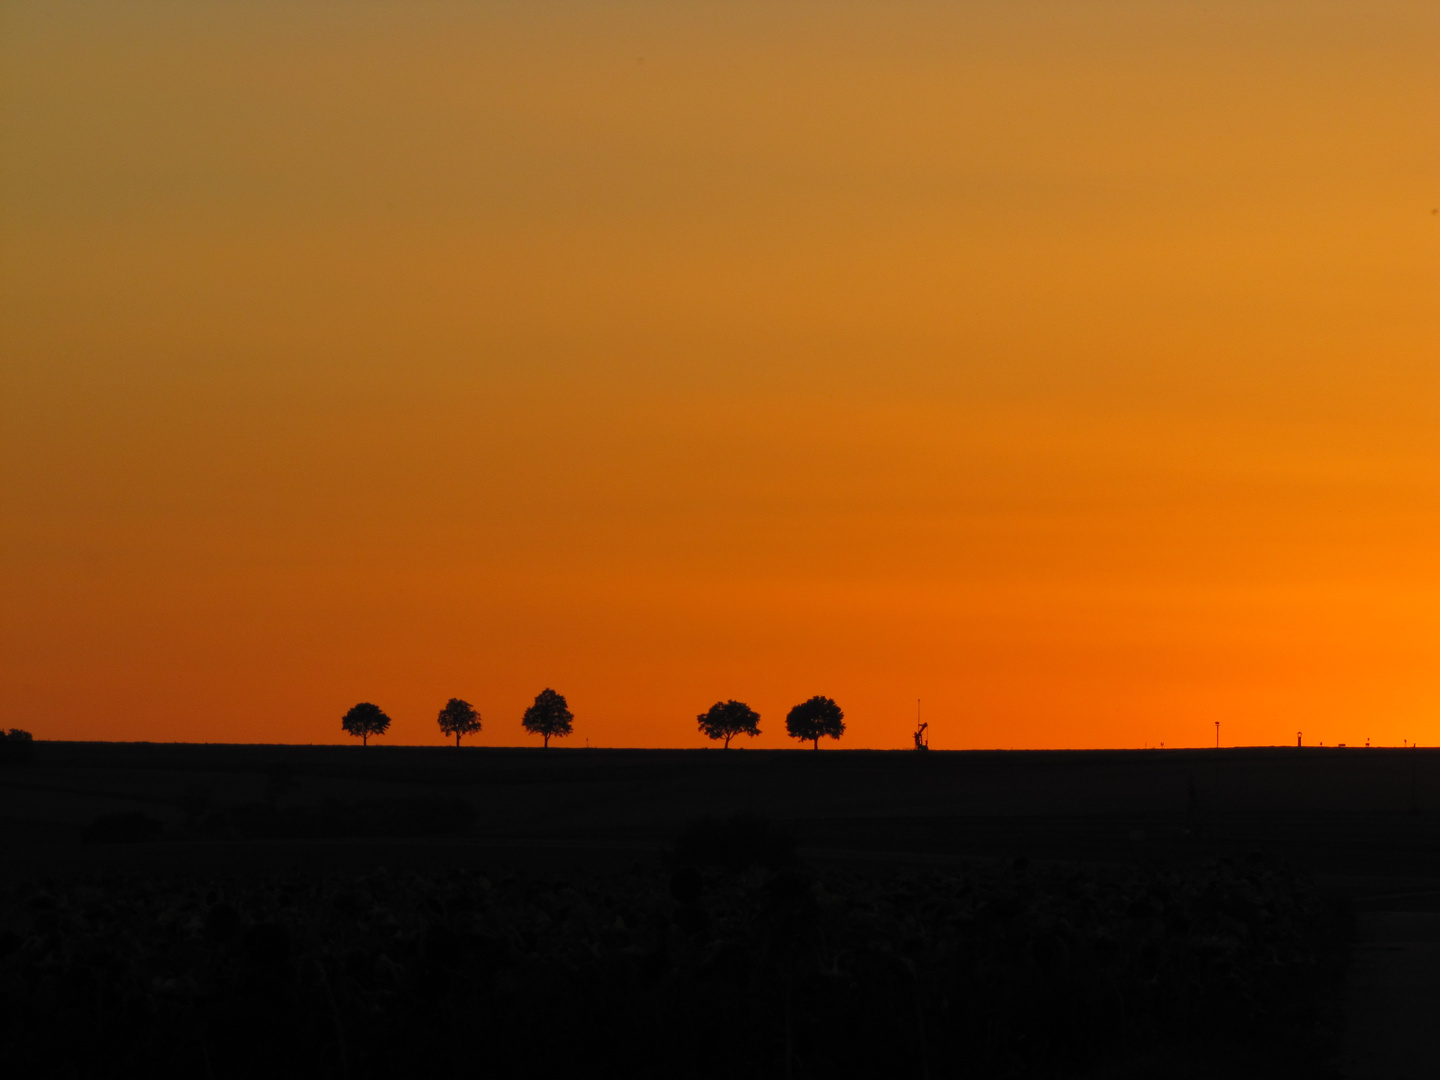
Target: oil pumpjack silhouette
column 922, row 742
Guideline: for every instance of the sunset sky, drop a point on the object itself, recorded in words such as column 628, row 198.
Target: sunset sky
column 1071, row 367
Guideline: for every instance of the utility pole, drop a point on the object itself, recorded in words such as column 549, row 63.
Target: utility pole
column 1217, row 734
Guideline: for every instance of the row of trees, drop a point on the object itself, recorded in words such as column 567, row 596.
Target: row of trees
column 550, row 718
column 810, row 721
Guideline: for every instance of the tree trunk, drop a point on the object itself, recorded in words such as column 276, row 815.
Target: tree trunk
column 817, row 742
column 727, row 741
column 547, row 742
column 364, row 739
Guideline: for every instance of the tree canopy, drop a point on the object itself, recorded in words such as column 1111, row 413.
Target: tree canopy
column 726, row 719
column 811, row 719
column 459, row 718
column 549, row 717
column 365, row 720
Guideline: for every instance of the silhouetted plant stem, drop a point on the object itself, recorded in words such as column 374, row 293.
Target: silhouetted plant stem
column 1120, row 1000
column 789, row 1028
column 334, row 1020
column 920, row 1032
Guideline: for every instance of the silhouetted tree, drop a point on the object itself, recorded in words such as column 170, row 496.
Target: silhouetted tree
column 15, row 745
column 459, row 718
column 365, row 720
column 726, row 719
column 814, row 718
column 548, row 717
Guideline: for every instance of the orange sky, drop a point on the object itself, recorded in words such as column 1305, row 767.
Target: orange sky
column 1071, row 367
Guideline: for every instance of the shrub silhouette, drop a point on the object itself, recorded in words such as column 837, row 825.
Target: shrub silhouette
column 365, row 720
column 15, row 746
column 734, row 843
column 811, row 719
column 459, row 718
column 549, row 717
column 726, row 719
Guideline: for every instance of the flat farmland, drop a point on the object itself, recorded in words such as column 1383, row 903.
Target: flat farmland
column 1365, row 821
column 333, row 910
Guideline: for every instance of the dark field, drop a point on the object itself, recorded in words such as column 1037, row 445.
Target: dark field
column 381, row 911
column 1365, row 822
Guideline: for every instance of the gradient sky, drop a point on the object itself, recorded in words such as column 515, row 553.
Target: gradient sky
column 1074, row 368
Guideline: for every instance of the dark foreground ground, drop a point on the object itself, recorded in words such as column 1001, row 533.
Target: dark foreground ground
column 376, row 911
column 1362, row 822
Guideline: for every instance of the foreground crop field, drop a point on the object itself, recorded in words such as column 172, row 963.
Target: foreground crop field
column 338, row 911
column 691, row 969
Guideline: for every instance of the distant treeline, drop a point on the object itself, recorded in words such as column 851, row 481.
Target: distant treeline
column 550, row 718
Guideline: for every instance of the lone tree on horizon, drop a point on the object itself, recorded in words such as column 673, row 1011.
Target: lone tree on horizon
column 726, row 719
column 459, row 718
column 365, row 720
column 811, row 719
column 548, row 717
